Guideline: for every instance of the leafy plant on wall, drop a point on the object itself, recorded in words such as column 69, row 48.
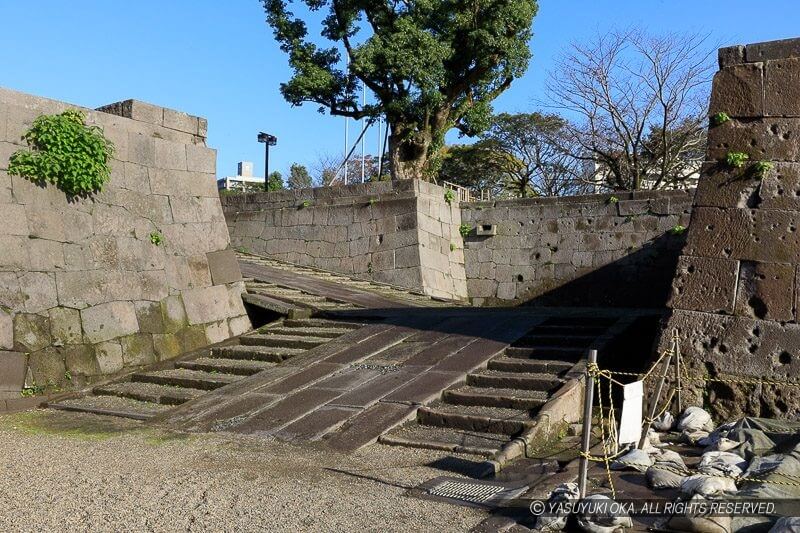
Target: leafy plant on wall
column 66, row 152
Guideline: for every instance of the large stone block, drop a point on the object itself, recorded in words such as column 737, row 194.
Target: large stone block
column 149, row 317
column 224, row 267
column 47, row 367
column 136, row 110
column 780, row 188
column 137, row 349
column 108, row 321
column 720, row 186
column 46, row 255
column 765, row 291
column 782, row 88
column 170, row 155
column 31, row 332
column 206, row 305
column 65, row 326
column 109, row 357
column 13, row 220
column 6, row 330
column 201, row 159
column 39, row 291
column 772, row 50
column 738, row 91
column 13, row 367
column 705, row 284
column 731, row 55
column 772, row 139
column 177, row 120
column 80, row 361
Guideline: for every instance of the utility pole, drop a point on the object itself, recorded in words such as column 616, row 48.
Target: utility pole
column 268, row 140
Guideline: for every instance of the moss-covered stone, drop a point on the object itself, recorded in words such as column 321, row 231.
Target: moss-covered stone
column 150, row 317
column 173, row 314
column 167, row 346
column 81, row 362
column 65, row 325
column 31, row 332
column 192, row 338
column 137, row 349
column 48, row 367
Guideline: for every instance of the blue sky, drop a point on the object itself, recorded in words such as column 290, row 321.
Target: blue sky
column 217, row 59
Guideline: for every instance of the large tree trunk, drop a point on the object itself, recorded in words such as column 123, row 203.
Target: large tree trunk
column 408, row 153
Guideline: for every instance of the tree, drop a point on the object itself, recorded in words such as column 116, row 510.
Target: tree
column 275, row 181
column 473, row 166
column 640, row 103
column 299, row 178
column 431, row 66
column 534, row 153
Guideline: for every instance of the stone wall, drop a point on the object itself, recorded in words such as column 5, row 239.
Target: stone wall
column 83, row 291
column 735, row 294
column 393, row 232
column 595, row 250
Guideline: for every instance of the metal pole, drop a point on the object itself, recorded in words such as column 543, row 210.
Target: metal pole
column 266, row 166
column 654, row 403
column 587, row 424
column 677, row 349
column 380, row 148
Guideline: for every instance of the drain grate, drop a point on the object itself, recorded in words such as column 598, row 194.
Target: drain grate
column 470, row 492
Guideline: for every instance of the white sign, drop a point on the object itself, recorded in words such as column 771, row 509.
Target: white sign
column 630, row 425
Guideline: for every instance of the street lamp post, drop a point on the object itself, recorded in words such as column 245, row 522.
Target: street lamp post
column 268, row 140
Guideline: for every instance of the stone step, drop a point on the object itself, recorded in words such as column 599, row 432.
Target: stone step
column 327, row 306
column 513, row 380
column 256, row 353
column 320, row 323
column 282, row 341
column 450, row 440
column 111, row 406
column 475, row 418
column 495, row 397
column 182, row 377
column 149, row 392
column 278, row 306
column 583, row 321
column 328, row 333
column 567, row 341
column 239, row 367
column 288, row 295
column 577, row 328
column 561, row 354
column 515, row 364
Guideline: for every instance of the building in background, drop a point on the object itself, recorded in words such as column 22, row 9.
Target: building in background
column 243, row 180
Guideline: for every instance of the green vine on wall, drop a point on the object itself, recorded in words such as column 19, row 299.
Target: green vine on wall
column 66, row 152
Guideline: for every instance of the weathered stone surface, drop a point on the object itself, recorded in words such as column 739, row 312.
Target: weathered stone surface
column 239, row 325
column 109, row 357
column 705, row 284
column 771, row 139
column 167, row 346
column 13, row 367
column 780, row 188
column 206, row 305
column 217, row 332
column 738, row 91
column 721, row 186
column 731, row 55
column 224, row 267
column 108, row 321
column 764, row 291
column 6, row 331
column 149, row 317
column 31, row 332
column 137, row 349
column 180, row 121
column 81, row 361
column 65, row 325
column 772, row 50
column 47, row 367
column 782, row 87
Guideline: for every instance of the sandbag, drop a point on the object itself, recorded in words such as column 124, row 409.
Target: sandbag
column 787, row 524
column 695, row 523
column 665, row 422
column 658, row 477
column 562, row 493
column 727, row 464
column 694, row 437
column 603, row 523
column 756, row 479
column 707, row 485
column 635, row 459
column 694, row 419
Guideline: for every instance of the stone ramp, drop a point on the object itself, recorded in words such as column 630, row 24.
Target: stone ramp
column 275, row 278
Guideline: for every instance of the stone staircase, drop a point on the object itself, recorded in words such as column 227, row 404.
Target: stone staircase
column 499, row 402
column 148, row 393
column 280, row 299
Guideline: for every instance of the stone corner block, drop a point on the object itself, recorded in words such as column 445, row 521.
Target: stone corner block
column 730, row 55
column 770, row 50
column 136, row 110
column 224, row 267
column 13, row 368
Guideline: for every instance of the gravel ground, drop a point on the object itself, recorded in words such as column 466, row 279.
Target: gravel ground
column 78, row 472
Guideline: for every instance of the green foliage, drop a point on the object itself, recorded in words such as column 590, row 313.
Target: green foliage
column 613, row 200
column 761, row 168
column 299, row 178
column 719, row 119
column 677, row 229
column 465, row 230
column 736, row 159
column 33, row 390
column 449, row 196
column 305, row 203
column 473, row 166
column 275, row 182
column 156, row 238
column 370, row 268
column 432, row 66
column 373, row 201
column 65, row 152
column 452, row 247
column 68, row 375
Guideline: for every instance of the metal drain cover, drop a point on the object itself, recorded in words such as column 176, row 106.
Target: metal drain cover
column 471, row 493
